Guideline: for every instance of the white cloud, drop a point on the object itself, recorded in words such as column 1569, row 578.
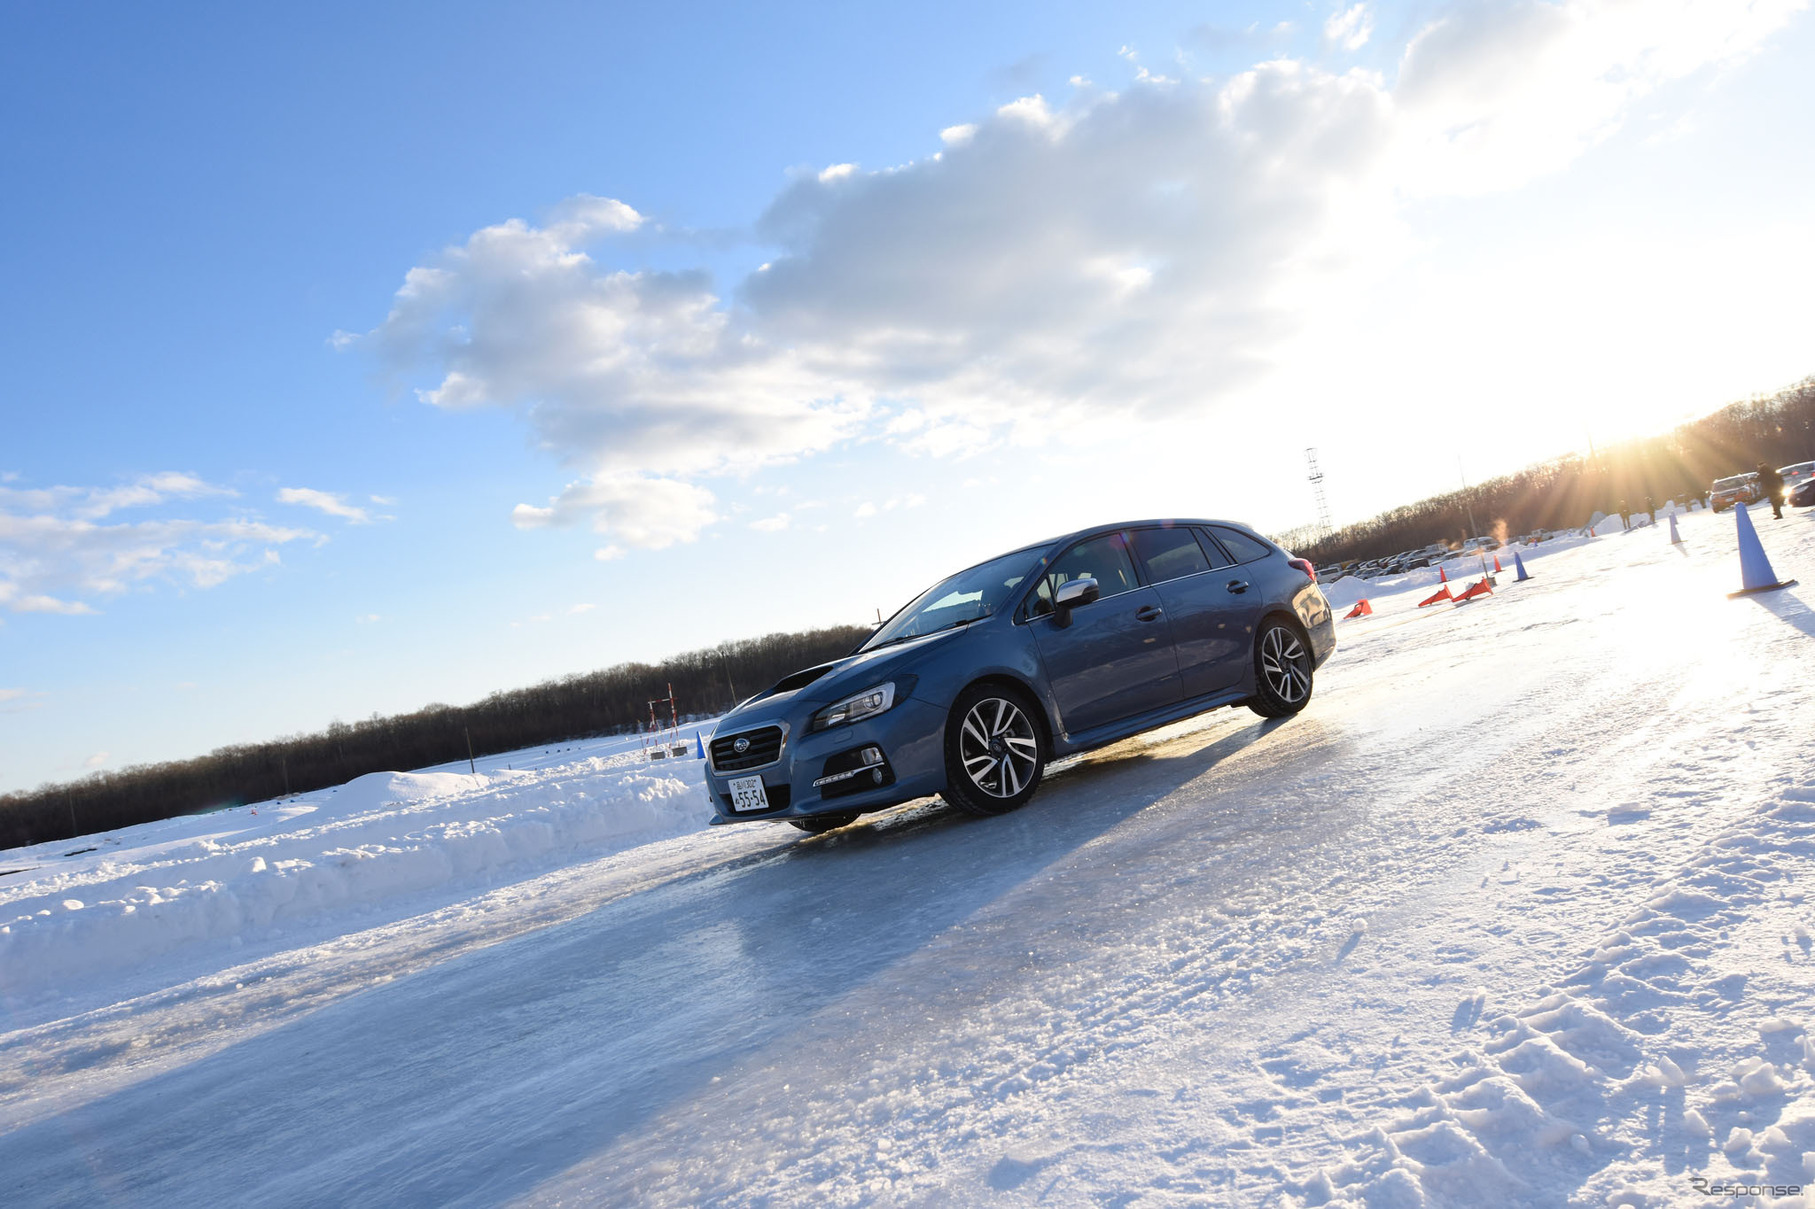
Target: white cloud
column 324, row 501
column 576, row 610
column 97, row 503
column 771, row 524
column 1493, row 95
column 1349, row 27
column 864, row 509
column 54, row 552
column 368, row 618
column 96, row 760
column 1055, row 269
column 640, row 511
column 19, row 700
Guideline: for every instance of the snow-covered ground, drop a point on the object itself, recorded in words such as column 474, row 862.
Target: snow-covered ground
column 133, row 907
column 1516, row 913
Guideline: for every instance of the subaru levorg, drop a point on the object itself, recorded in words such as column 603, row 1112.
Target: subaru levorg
column 1051, row 649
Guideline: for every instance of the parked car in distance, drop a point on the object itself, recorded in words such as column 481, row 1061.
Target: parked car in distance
column 1803, row 494
column 971, row 688
column 1736, row 489
column 1796, row 474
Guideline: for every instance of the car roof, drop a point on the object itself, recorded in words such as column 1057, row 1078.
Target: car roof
column 1162, row 522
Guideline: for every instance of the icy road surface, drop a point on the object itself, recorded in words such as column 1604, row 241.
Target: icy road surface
column 1515, row 913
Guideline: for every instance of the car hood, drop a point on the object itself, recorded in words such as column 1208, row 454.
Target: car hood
column 827, row 682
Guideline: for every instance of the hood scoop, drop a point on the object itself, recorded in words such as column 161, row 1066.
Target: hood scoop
column 799, row 680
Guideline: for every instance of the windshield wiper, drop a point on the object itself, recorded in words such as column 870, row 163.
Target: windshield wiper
column 909, row 637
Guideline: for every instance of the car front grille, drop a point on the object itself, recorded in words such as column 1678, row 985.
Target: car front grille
column 764, row 748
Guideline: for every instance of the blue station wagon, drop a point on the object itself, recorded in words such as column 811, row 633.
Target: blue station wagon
column 972, row 688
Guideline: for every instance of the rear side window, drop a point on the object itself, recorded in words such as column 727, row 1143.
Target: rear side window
column 1168, row 553
column 1240, row 546
column 1104, row 559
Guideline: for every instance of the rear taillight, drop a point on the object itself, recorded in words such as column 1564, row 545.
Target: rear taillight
column 1304, row 566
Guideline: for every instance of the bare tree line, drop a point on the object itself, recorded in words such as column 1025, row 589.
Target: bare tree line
column 611, row 701
column 1564, row 493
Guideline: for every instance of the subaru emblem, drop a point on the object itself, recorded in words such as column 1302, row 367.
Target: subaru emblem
column 741, row 746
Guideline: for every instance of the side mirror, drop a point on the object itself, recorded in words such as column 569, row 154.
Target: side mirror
column 1073, row 594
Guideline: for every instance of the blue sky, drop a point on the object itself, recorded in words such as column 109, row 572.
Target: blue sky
column 1027, row 268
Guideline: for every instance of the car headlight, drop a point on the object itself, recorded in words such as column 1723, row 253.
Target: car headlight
column 855, row 708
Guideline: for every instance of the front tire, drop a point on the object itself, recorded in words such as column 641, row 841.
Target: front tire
column 995, row 751
column 1283, row 670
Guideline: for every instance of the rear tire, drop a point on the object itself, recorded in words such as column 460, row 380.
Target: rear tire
column 819, row 824
column 995, row 750
column 1283, row 670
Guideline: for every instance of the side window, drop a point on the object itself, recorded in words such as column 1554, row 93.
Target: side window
column 1168, row 553
column 1212, row 551
column 1241, row 547
column 1104, row 559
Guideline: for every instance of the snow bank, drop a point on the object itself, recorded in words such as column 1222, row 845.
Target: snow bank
column 386, row 840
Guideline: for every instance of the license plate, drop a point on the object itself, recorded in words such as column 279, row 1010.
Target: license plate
column 747, row 794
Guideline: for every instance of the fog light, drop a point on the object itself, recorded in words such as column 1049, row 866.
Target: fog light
column 851, row 771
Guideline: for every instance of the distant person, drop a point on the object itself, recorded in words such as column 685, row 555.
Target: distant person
column 1651, row 509
column 1625, row 516
column 1771, row 483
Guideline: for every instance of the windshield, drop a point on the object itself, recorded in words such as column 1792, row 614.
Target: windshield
column 1738, row 480
column 966, row 596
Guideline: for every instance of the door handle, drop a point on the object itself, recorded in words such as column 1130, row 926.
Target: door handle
column 1148, row 613
column 1238, row 585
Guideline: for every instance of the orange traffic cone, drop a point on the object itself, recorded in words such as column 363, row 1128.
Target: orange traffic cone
column 1496, row 564
column 1476, row 589
column 1362, row 609
column 1441, row 594
column 1441, row 577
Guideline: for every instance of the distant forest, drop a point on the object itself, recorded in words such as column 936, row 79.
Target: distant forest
column 1565, row 492
column 612, row 701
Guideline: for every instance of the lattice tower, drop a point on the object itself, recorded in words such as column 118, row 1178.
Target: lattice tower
column 1316, row 478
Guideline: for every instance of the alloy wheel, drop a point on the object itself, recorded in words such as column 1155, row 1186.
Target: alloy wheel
column 998, row 746
column 1286, row 664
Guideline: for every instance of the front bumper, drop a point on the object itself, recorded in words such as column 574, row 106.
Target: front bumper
column 911, row 736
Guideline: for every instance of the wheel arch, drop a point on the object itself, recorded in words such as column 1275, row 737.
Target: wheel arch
column 1015, row 682
column 1284, row 614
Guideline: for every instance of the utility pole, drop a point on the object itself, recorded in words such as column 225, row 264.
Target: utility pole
column 470, row 764
column 1466, row 502
column 727, row 665
column 283, row 766
column 1469, row 504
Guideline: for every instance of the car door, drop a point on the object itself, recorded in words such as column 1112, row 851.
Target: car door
column 1209, row 621
column 1112, row 658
